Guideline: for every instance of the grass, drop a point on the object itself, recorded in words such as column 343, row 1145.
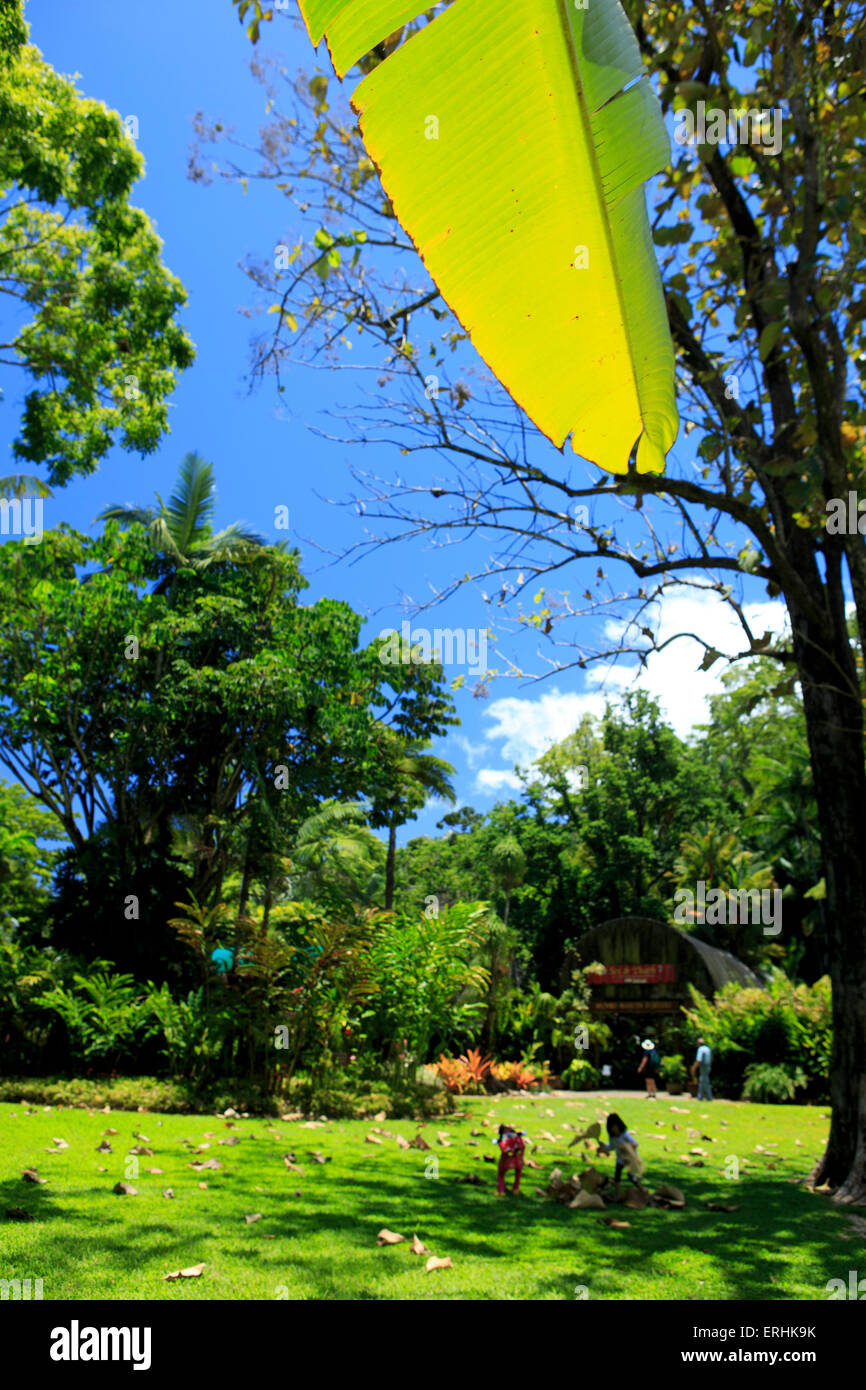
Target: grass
column 87, row 1243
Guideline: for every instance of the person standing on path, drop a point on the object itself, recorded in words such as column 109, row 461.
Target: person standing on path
column 650, row 1060
column 702, row 1063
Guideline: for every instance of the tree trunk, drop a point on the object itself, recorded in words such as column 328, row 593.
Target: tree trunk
column 834, row 725
column 389, row 866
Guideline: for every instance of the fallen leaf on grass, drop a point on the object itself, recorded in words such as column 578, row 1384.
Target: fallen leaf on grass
column 100, row 1169
column 721, row 1206
column 616, row 1225
column 372, row 1139
column 490, row 1158
column 669, row 1196
column 254, row 1216
column 202, row 1185
column 125, row 1189
column 444, row 1141
column 701, row 1152
column 168, row 1192
column 321, row 1158
column 312, row 1124
column 31, row 1175
column 109, row 1131
column 380, row 1116
column 59, row 1144
column 386, row 1237
column 208, row 1163
column 156, row 1172
column 435, row 1263
column 591, row 1132
column 192, row 1273
column 104, row 1148
column 403, row 1143
column 148, row 1153
column 471, row 1178
column 532, row 1163
column 418, row 1247
column 292, row 1115
column 419, row 1142
column 232, row 1139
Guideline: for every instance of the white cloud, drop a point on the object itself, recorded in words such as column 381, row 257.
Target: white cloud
column 492, row 779
column 524, row 728
column 673, row 675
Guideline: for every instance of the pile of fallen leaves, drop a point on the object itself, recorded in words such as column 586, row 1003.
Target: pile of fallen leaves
column 591, row 1191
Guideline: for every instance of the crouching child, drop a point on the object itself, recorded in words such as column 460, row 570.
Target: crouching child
column 623, row 1144
column 511, row 1144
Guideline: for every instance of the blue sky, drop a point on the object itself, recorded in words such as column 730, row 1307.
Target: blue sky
column 162, row 62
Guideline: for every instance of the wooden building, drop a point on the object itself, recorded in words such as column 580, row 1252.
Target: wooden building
column 648, row 964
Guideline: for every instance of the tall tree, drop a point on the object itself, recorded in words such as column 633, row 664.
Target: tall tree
column 761, row 238
column 409, row 775
column 91, row 309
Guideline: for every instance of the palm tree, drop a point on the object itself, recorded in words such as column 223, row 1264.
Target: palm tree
column 410, row 774
column 180, row 531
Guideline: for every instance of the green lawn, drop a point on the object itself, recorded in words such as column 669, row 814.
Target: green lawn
column 86, row 1242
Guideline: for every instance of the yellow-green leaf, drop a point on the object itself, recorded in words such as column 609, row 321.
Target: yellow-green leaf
column 549, row 261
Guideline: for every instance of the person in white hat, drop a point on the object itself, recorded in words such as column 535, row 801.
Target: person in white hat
column 649, row 1064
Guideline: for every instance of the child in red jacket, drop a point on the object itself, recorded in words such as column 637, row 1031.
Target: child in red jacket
column 511, row 1146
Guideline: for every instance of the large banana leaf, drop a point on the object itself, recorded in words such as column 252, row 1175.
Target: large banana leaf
column 525, row 199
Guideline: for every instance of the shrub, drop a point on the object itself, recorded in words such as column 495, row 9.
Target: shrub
column 581, row 1075
column 784, row 1025
column 772, row 1085
column 674, row 1069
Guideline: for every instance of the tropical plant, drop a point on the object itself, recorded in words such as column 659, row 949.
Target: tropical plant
column 772, row 1085
column 179, row 531
column 581, row 1075
column 673, row 1069
column 406, row 777
column 428, row 980
column 106, row 1014
column 582, row 84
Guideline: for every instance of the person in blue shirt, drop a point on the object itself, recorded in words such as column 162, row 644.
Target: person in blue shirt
column 622, row 1143
column 702, row 1063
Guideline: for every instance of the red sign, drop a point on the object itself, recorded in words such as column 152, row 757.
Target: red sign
column 636, row 1006
column 635, row 975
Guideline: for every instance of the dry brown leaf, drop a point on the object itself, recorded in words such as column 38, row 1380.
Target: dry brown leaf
column 372, row 1139
column 202, row 1185
column 125, row 1189
column 386, row 1237
column 321, row 1158
column 380, row 1116
column 156, row 1172
column 612, row 1222
column 168, row 1192
column 148, row 1153
column 445, row 1142
column 435, row 1263
column 403, row 1143
column 418, row 1247
column 419, row 1142
column 254, row 1216
column 31, row 1175
column 471, row 1178
column 109, row 1131
column 721, row 1206
column 590, row 1201
column 193, row 1272
column 232, row 1140
column 104, row 1148
column 59, row 1144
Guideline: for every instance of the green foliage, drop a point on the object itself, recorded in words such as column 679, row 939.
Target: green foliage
column 772, row 1085
column 425, row 971
column 106, row 1015
column 788, row 1025
column 25, row 864
column 581, row 1075
column 101, row 345
column 673, row 1069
